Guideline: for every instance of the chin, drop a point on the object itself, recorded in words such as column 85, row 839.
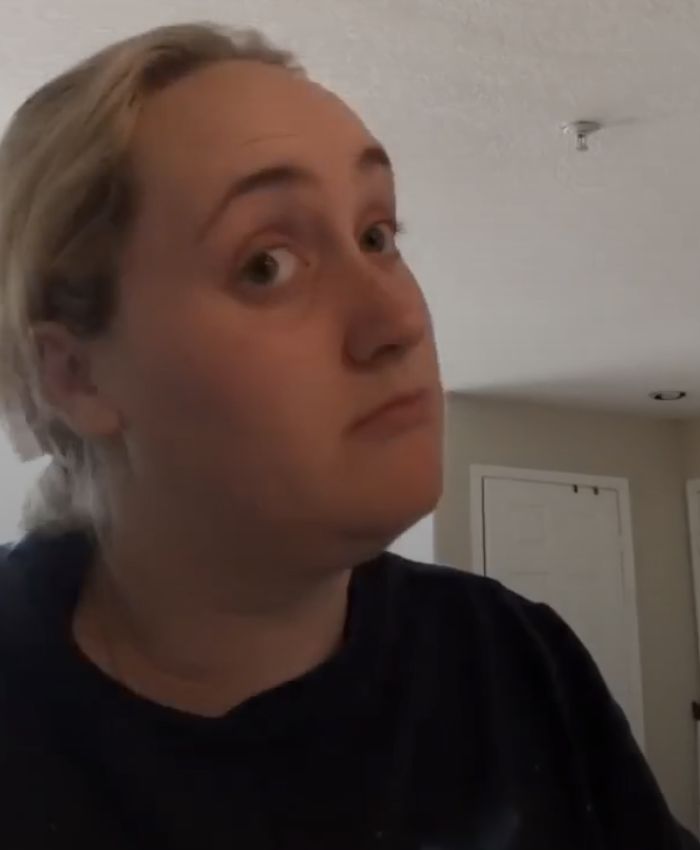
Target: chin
column 404, row 514
column 393, row 499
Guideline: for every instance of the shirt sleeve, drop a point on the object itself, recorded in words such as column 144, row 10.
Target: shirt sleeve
column 628, row 804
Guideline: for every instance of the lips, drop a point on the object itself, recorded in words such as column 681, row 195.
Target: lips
column 401, row 411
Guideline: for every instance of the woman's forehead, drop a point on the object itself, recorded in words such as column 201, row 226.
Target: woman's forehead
column 234, row 117
column 237, row 106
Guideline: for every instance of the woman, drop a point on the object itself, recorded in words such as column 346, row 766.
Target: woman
column 207, row 323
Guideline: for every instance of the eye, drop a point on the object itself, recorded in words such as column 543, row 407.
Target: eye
column 380, row 238
column 270, row 268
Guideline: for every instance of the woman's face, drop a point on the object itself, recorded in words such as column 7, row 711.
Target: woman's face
column 265, row 309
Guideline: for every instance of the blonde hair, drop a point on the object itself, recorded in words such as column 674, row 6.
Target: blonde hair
column 66, row 200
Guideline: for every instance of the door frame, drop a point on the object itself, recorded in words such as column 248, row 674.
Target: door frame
column 693, row 501
column 693, row 504
column 479, row 472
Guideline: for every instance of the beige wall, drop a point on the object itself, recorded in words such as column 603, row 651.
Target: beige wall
column 690, row 434
column 655, row 456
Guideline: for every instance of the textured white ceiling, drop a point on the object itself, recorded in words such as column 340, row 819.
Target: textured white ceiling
column 552, row 275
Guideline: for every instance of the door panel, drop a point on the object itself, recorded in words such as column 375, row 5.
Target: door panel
column 562, row 545
column 693, row 494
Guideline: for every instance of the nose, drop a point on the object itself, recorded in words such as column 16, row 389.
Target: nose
column 388, row 317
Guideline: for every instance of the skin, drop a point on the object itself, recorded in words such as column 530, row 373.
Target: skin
column 250, row 337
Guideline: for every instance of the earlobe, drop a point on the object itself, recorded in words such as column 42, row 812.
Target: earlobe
column 66, row 380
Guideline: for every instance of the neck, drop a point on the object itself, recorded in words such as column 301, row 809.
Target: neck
column 201, row 629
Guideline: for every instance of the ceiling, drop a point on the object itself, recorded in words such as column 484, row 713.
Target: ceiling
column 553, row 275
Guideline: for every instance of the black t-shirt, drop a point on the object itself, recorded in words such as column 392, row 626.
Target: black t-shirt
column 456, row 715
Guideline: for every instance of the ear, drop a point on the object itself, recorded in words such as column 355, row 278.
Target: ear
column 67, row 381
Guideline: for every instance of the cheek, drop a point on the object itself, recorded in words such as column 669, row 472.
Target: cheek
column 217, row 381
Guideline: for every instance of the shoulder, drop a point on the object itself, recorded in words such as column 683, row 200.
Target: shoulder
column 448, row 594
column 464, row 615
column 38, row 562
column 38, row 578
column 506, row 649
column 13, row 591
column 5, row 550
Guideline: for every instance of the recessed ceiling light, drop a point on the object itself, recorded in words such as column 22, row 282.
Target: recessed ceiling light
column 668, row 395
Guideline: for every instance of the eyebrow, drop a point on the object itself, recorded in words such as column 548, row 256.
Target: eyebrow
column 283, row 175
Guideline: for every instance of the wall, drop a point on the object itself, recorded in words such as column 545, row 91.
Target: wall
column 418, row 542
column 16, row 479
column 690, row 434
column 653, row 456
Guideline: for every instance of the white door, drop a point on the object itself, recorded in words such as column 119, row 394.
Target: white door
column 564, row 544
column 694, row 524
